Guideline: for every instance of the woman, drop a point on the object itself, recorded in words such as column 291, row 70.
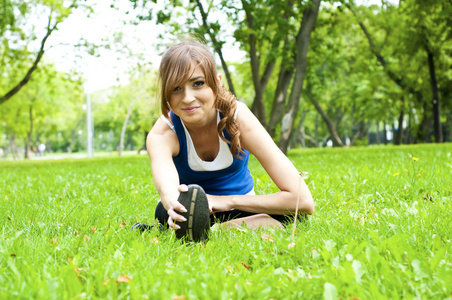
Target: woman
column 204, row 137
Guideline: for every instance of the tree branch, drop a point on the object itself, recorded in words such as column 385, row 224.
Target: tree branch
column 27, row 77
column 380, row 58
column 216, row 45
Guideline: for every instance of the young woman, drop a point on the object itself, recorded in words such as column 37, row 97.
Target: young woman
column 205, row 137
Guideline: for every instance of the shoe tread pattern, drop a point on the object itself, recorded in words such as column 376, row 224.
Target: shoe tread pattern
column 197, row 215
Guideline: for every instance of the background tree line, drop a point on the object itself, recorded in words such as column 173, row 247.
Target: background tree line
column 314, row 73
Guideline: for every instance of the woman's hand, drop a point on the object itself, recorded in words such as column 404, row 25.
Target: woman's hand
column 219, row 203
column 176, row 207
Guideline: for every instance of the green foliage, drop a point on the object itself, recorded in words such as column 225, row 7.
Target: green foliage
column 422, row 28
column 56, row 102
column 53, row 100
column 344, row 74
column 111, row 106
column 7, row 17
column 25, row 26
column 380, row 231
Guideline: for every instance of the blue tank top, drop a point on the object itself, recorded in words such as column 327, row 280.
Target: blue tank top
column 233, row 180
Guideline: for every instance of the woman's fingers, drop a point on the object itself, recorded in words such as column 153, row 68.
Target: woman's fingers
column 177, row 207
column 171, row 223
column 182, row 188
column 175, row 204
column 175, row 216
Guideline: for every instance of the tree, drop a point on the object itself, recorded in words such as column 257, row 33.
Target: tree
column 45, row 106
column 362, row 73
column 302, row 43
column 17, row 56
column 196, row 22
column 431, row 22
column 423, row 31
column 269, row 31
column 126, row 108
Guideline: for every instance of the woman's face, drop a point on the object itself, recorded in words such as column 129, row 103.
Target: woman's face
column 194, row 101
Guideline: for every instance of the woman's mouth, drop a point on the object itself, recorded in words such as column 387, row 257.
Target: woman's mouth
column 190, row 110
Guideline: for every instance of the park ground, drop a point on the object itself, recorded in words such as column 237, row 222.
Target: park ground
column 381, row 230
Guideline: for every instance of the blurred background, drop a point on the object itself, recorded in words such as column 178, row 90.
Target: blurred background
column 79, row 77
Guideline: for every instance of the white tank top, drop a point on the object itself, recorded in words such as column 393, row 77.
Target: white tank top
column 224, row 157
column 223, row 160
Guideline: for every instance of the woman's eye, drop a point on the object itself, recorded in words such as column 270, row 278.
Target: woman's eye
column 177, row 89
column 198, row 83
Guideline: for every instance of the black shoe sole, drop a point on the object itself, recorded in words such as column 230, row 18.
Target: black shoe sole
column 196, row 228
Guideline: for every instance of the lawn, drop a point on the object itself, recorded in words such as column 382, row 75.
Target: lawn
column 382, row 229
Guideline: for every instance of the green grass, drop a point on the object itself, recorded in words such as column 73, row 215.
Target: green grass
column 373, row 235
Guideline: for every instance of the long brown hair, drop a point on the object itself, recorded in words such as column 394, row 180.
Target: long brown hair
column 177, row 66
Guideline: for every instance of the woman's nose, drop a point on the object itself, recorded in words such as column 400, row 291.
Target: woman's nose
column 188, row 95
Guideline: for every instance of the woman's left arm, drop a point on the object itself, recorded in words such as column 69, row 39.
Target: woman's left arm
column 258, row 142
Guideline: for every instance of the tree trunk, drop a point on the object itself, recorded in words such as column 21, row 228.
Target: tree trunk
column 435, row 100
column 303, row 144
column 377, row 126
column 48, row 145
column 258, row 107
column 259, row 104
column 338, row 116
column 422, row 134
column 144, row 142
column 30, row 132
column 408, row 135
column 312, row 140
column 72, row 141
column 279, row 99
column 449, row 121
column 13, row 145
column 361, row 132
column 316, row 129
column 398, row 136
column 303, row 38
column 123, row 130
column 448, row 137
column 385, row 134
column 298, row 136
column 329, row 124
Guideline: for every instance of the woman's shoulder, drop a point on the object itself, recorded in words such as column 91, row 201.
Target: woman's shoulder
column 251, row 130
column 243, row 114
column 242, row 111
column 240, row 106
column 162, row 133
column 163, row 126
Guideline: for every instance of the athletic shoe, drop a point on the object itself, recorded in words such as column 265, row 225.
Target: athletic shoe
column 197, row 226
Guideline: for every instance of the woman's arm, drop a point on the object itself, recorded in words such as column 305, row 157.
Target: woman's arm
column 162, row 144
column 255, row 139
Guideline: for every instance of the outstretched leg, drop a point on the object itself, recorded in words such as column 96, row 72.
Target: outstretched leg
column 253, row 222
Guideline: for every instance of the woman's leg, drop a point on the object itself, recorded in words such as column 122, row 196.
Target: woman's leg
column 236, row 218
column 161, row 214
column 253, row 222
